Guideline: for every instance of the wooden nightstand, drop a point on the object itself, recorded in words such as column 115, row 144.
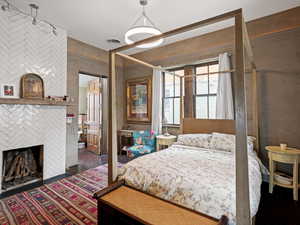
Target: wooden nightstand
column 289, row 156
column 162, row 140
column 124, row 135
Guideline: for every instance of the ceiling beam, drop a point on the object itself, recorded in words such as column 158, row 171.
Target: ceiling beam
column 247, row 44
column 136, row 60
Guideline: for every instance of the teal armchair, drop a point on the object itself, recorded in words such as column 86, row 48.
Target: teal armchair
column 144, row 143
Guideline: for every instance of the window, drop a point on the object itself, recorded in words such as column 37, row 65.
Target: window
column 206, row 86
column 171, row 97
column 204, row 90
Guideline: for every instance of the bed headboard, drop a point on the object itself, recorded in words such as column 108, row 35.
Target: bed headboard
column 192, row 126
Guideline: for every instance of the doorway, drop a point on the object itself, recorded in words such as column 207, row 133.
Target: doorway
column 91, row 135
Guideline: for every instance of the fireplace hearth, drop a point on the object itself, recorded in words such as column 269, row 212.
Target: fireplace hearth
column 22, row 166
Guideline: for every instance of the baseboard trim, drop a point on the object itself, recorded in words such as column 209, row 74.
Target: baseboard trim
column 58, row 177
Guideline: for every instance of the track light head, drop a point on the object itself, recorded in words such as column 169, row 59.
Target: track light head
column 34, row 6
column 6, row 6
column 143, row 2
column 34, row 13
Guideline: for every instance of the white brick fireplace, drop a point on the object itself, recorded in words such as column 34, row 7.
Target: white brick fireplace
column 25, row 48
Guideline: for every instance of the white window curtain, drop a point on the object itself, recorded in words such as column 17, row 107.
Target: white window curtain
column 156, row 125
column 224, row 100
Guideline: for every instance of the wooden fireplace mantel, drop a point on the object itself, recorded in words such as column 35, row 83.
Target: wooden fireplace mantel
column 22, row 101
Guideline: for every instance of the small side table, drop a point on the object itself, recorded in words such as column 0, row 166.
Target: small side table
column 122, row 134
column 289, row 156
column 162, row 140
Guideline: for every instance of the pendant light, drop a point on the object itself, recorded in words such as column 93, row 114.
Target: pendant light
column 143, row 26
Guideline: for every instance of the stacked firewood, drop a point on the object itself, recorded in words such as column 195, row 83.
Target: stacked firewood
column 22, row 164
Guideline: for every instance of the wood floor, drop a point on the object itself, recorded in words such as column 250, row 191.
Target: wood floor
column 278, row 208
column 89, row 160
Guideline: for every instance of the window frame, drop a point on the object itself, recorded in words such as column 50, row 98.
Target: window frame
column 195, row 95
column 171, row 97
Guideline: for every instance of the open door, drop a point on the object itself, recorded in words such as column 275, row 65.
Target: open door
column 92, row 91
column 94, row 116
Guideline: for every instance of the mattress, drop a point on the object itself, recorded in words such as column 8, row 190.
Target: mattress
column 199, row 179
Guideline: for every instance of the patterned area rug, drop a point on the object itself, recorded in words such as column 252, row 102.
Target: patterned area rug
column 67, row 201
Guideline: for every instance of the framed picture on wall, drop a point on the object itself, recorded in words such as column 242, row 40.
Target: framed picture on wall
column 139, row 100
column 8, row 91
column 32, row 86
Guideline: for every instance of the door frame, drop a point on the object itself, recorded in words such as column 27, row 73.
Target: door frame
column 104, row 114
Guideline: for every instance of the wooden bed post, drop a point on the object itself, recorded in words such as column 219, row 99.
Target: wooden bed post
column 255, row 110
column 112, row 121
column 250, row 57
column 241, row 156
column 181, row 105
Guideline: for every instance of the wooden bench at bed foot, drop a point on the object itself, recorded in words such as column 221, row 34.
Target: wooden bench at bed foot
column 120, row 204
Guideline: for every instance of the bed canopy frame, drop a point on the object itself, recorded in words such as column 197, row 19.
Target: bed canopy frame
column 242, row 52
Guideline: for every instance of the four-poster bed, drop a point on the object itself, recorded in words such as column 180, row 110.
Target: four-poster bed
column 238, row 126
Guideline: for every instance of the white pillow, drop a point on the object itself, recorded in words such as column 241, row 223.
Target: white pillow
column 226, row 142
column 195, row 140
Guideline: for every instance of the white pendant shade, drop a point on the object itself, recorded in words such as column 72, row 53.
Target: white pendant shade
column 143, row 30
column 141, row 27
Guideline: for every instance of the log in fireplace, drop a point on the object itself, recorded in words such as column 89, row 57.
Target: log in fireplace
column 22, row 166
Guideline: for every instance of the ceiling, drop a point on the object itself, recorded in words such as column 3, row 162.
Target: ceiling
column 95, row 21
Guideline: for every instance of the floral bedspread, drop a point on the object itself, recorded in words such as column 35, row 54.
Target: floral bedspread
column 200, row 179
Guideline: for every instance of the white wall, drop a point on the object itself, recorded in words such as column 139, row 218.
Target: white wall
column 25, row 48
